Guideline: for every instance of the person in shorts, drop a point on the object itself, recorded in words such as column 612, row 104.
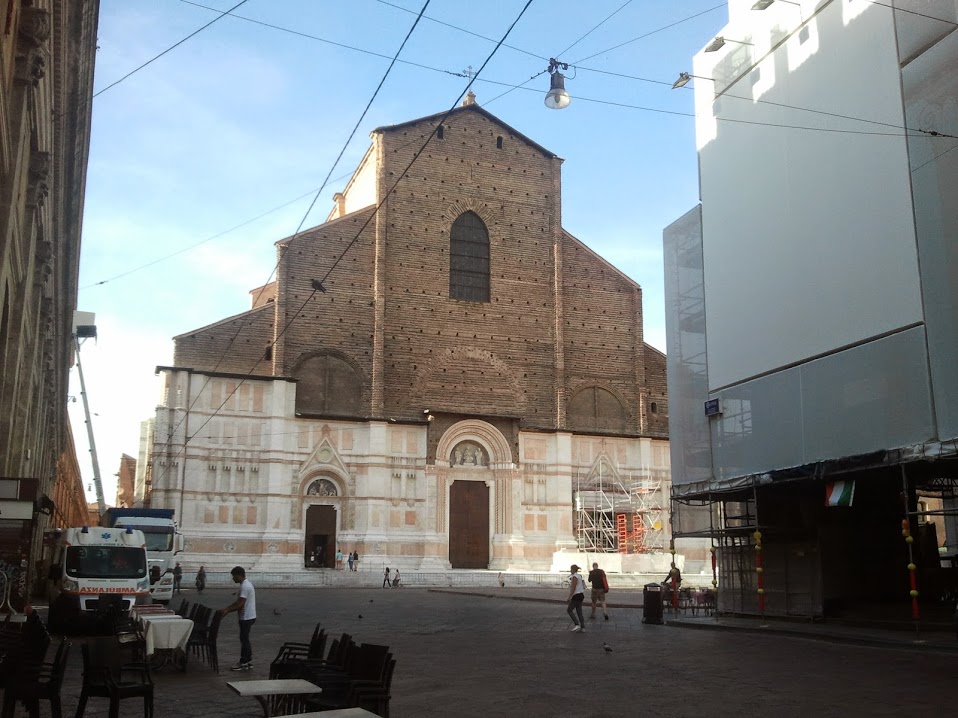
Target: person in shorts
column 576, row 597
column 600, row 586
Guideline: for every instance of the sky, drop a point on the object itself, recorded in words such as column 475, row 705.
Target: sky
column 214, row 151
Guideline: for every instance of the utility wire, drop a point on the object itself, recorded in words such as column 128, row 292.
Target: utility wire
column 324, row 40
column 456, row 27
column 648, row 34
column 223, row 13
column 359, row 232
column 581, row 38
column 512, row 87
column 578, row 66
column 193, row 246
column 294, row 237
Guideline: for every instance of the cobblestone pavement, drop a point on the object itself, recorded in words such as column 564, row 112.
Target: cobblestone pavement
column 462, row 655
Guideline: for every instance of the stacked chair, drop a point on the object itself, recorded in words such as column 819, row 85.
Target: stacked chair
column 34, row 680
column 107, row 675
column 351, row 676
column 202, row 641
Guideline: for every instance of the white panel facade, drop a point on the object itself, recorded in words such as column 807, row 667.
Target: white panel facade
column 827, row 257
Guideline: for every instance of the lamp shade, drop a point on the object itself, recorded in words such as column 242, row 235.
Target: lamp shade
column 557, row 98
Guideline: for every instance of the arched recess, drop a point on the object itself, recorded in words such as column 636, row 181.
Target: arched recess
column 484, row 434
column 330, row 384
column 594, row 408
column 469, row 258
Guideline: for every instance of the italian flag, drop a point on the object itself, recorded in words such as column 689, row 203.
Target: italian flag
column 840, row 493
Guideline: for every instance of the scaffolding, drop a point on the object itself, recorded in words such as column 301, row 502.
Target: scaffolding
column 615, row 514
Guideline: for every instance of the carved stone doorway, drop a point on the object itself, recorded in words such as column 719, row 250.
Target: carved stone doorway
column 320, row 539
column 469, row 524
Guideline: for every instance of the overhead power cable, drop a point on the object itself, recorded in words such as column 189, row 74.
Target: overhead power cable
column 223, row 13
column 561, row 54
column 611, row 73
column 294, row 236
column 193, row 246
column 318, row 284
column 456, row 27
column 663, row 83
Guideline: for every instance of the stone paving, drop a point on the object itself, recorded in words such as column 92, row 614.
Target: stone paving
column 466, row 655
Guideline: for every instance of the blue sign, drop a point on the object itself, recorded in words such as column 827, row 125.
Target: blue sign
column 713, row 407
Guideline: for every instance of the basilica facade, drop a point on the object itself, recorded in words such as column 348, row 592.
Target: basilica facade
column 433, row 377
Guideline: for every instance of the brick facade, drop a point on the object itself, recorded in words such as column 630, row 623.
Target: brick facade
column 557, row 351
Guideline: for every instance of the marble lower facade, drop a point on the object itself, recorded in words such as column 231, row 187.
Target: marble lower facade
column 258, row 486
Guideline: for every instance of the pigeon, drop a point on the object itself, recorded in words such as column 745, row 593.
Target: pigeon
column 607, row 648
column 360, row 617
column 277, row 612
column 370, row 600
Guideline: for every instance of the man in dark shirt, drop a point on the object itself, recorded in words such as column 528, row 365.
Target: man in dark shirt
column 600, row 586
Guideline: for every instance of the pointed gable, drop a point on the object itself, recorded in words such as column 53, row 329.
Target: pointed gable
column 458, row 112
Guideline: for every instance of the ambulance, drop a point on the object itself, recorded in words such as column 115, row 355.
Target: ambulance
column 92, row 561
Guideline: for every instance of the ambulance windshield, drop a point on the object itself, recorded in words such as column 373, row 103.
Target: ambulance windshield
column 106, row 562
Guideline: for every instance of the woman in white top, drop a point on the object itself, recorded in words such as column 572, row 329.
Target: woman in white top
column 576, row 597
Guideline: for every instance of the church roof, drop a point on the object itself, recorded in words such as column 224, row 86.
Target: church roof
column 469, row 108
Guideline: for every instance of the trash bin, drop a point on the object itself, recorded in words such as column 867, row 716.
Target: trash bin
column 652, row 603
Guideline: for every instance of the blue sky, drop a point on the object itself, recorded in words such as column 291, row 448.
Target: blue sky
column 242, row 119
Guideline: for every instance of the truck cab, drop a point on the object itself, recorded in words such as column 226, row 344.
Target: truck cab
column 162, row 544
column 88, row 562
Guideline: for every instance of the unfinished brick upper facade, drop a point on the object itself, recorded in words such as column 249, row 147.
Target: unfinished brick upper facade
column 383, row 348
column 560, row 318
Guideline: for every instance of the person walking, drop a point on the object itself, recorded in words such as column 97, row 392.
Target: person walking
column 386, row 578
column 200, row 580
column 397, row 581
column 600, row 587
column 576, row 597
column 355, row 560
column 177, row 577
column 339, row 559
column 245, row 607
column 349, row 561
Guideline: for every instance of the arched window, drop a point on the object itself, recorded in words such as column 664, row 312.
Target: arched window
column 469, row 259
column 596, row 409
column 328, row 385
column 499, row 142
column 439, row 132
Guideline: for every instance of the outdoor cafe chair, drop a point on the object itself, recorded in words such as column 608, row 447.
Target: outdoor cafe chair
column 35, row 682
column 203, row 642
column 105, row 675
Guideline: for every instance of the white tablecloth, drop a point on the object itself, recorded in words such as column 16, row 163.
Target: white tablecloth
column 146, row 612
column 165, row 632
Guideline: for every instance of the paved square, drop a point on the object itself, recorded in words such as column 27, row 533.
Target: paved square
column 461, row 655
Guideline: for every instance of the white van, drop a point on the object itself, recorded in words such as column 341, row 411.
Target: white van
column 89, row 562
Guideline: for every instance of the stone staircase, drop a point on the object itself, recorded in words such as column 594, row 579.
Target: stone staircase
column 461, row 578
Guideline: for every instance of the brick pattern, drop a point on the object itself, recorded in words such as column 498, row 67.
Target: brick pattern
column 657, row 391
column 600, row 327
column 387, row 306
column 237, row 344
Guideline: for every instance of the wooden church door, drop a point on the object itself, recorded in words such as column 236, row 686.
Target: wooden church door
column 469, row 524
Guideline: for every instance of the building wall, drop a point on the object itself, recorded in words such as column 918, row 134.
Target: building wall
column 496, row 358
column 792, row 283
column 126, row 482
column 236, row 344
column 243, row 500
column 140, row 489
column 380, row 374
column 817, row 342
column 46, row 76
